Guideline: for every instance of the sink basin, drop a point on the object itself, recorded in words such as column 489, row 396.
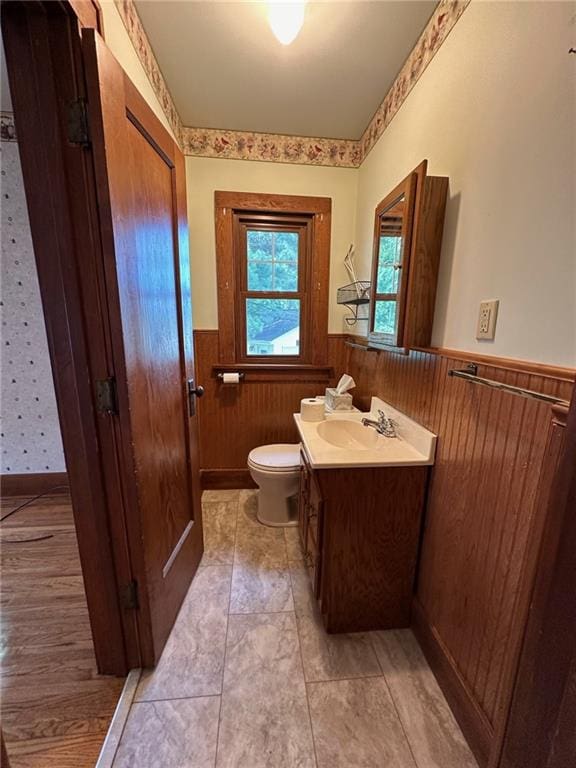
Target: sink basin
column 348, row 434
column 343, row 441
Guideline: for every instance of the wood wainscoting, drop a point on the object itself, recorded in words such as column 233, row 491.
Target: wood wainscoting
column 262, row 405
column 482, row 526
column 481, row 518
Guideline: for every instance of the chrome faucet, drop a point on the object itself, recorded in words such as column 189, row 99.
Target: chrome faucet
column 384, row 425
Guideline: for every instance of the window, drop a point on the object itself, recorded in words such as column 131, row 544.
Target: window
column 273, row 267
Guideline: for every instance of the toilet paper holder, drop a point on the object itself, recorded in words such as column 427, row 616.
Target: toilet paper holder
column 220, row 376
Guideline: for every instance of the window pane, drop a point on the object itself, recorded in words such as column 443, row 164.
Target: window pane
column 286, row 276
column 273, row 326
column 385, row 317
column 287, row 246
column 259, row 244
column 389, row 255
column 272, row 260
column 260, row 275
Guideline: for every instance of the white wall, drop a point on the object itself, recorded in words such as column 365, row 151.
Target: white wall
column 495, row 112
column 205, row 175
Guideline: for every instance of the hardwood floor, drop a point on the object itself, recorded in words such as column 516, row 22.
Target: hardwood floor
column 55, row 707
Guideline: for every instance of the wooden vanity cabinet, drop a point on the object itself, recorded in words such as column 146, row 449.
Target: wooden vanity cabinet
column 360, row 531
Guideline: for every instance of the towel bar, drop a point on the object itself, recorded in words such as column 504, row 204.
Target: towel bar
column 470, row 373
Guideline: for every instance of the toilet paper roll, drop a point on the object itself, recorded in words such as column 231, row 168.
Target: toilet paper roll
column 230, row 378
column 312, row 409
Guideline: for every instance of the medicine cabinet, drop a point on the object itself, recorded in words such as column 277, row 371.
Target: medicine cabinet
column 408, row 226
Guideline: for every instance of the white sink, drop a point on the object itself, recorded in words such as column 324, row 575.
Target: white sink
column 348, row 434
column 341, row 440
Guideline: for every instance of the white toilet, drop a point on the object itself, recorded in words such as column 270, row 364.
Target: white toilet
column 276, row 471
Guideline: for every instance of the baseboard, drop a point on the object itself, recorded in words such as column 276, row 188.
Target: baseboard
column 32, row 483
column 474, row 724
column 224, row 479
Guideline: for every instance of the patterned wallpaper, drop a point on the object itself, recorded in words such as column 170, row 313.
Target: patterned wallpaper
column 30, row 431
column 302, row 150
column 270, row 147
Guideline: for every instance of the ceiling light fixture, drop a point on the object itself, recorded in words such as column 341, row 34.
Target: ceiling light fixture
column 286, row 18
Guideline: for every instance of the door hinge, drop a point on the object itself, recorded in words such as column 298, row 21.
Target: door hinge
column 106, row 400
column 78, row 132
column 129, row 595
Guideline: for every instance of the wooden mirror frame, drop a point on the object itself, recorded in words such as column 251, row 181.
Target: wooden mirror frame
column 422, row 230
column 405, row 190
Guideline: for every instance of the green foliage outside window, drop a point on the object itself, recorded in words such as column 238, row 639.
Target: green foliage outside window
column 389, row 254
column 272, row 261
column 385, row 317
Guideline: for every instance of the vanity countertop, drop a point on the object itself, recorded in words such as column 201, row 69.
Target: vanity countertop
column 414, row 445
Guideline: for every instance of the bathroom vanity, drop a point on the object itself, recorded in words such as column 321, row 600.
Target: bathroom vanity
column 360, row 516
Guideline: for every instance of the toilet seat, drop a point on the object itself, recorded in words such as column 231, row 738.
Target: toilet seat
column 280, row 457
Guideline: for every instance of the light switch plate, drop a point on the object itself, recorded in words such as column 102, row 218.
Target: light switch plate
column 487, row 315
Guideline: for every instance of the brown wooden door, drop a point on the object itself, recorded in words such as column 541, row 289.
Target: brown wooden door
column 141, row 191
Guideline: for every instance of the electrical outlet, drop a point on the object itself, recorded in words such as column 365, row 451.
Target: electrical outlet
column 486, row 328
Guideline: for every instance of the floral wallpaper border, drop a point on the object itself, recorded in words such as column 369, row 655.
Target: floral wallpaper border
column 141, row 43
column 270, row 147
column 265, row 147
column 441, row 22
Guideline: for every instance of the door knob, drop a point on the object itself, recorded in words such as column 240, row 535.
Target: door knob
column 192, row 393
column 192, row 390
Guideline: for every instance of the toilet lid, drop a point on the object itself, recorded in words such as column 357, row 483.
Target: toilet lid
column 280, row 456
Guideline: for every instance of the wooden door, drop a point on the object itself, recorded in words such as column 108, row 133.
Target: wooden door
column 141, row 191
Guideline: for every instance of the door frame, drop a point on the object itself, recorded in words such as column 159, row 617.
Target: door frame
column 44, row 60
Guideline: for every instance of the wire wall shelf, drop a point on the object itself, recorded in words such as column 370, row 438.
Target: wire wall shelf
column 353, row 296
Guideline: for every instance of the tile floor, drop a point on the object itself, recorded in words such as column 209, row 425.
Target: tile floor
column 249, row 678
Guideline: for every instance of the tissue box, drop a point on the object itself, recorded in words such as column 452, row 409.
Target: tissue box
column 336, row 402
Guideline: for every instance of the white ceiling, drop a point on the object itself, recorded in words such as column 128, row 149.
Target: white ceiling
column 225, row 69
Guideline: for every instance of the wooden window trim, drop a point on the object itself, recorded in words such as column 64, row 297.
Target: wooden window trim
column 319, row 210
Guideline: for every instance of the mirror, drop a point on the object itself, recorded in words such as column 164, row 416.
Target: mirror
column 392, row 237
column 408, row 226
